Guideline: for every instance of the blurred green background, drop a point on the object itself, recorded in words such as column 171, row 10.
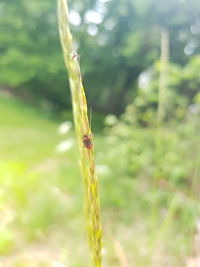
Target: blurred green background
column 140, row 63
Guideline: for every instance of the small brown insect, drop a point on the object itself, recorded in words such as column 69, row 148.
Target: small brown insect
column 87, row 141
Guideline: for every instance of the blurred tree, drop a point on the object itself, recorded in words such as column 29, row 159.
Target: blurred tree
column 181, row 97
column 117, row 41
column 136, row 37
column 30, row 52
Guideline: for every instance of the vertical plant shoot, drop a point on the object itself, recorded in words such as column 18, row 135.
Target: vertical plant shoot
column 84, row 135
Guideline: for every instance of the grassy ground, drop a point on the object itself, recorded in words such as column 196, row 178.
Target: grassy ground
column 40, row 187
column 41, row 198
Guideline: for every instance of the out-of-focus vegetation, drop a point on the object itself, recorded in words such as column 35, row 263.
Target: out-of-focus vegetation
column 148, row 169
column 116, row 40
column 41, row 196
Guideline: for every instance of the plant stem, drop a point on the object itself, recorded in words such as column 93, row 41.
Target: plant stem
column 92, row 204
column 162, row 99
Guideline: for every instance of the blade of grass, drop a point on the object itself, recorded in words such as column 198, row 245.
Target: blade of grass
column 161, row 112
column 92, row 204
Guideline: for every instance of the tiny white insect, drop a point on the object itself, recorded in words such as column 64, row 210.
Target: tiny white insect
column 73, row 55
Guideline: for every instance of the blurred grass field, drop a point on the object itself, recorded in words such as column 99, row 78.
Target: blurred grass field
column 42, row 223
column 39, row 185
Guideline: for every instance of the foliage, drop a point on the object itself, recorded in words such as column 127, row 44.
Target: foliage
column 181, row 95
column 149, row 175
column 41, row 194
column 31, row 62
column 111, row 46
column 165, row 158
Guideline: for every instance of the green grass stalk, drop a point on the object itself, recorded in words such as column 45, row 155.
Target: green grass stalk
column 162, row 99
column 159, row 143
column 92, row 204
column 164, row 57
